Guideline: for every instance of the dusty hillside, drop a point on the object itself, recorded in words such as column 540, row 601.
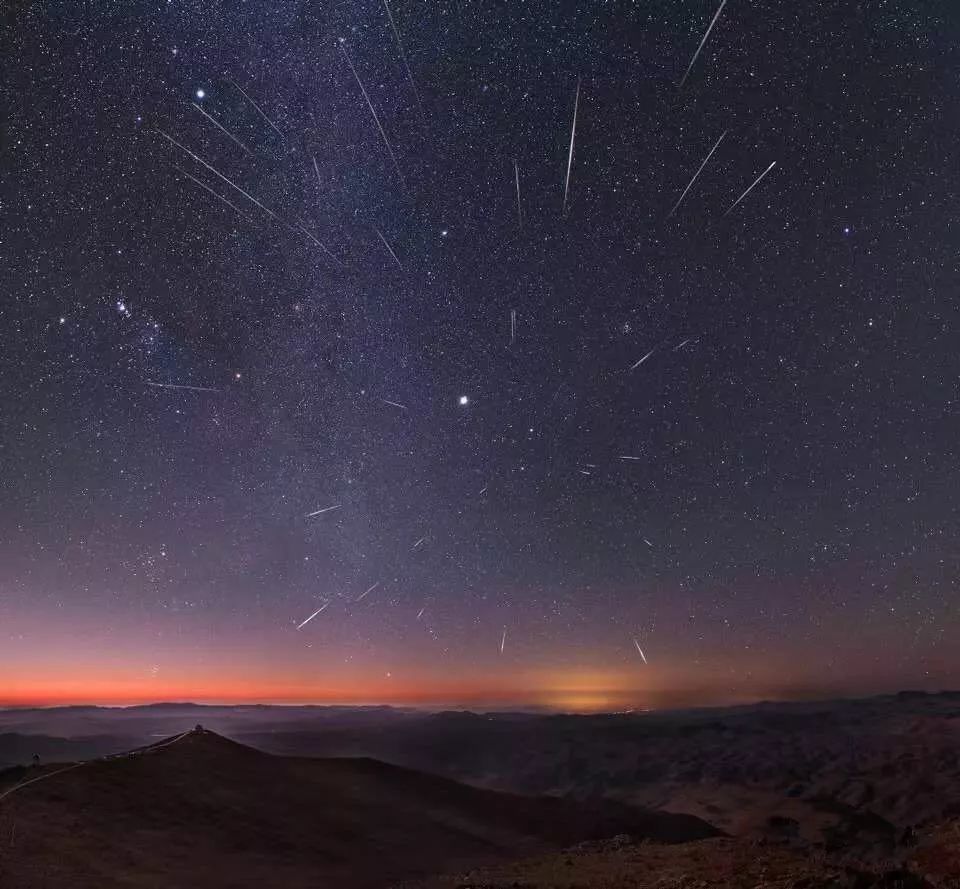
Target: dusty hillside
column 851, row 777
column 727, row 863
column 207, row 812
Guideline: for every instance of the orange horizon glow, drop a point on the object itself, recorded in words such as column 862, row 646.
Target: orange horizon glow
column 112, row 693
column 87, row 670
column 582, row 697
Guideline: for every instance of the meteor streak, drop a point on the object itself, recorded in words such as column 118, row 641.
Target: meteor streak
column 713, row 21
column 695, row 175
column 312, row 616
column 755, row 183
column 573, row 133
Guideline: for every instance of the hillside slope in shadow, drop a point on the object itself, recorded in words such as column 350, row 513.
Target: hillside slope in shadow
column 204, row 811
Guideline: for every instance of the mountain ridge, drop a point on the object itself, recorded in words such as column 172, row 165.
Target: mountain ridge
column 203, row 810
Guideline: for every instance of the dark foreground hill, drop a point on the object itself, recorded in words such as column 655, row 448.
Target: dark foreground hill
column 207, row 812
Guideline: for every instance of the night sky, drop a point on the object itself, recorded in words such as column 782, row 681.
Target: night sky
column 586, row 451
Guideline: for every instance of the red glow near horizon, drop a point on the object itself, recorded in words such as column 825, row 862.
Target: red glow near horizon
column 588, row 694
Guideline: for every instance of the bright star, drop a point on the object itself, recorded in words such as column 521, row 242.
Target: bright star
column 200, row 94
column 464, row 399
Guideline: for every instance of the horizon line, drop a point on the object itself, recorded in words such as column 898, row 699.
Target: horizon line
column 820, row 696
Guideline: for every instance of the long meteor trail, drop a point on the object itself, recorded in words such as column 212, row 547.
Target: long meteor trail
column 220, row 127
column 260, row 111
column 310, row 515
column 175, row 386
column 386, row 244
column 573, row 133
column 216, row 172
column 755, row 183
column 320, row 244
column 312, row 616
column 248, row 196
column 697, row 174
column 368, row 590
column 376, row 119
column 642, row 655
column 206, row 187
column 516, row 176
column 693, row 61
column 636, row 364
column 403, row 55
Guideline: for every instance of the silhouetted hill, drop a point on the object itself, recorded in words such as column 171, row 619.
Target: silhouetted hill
column 204, row 811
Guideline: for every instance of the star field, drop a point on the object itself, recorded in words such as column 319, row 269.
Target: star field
column 291, row 321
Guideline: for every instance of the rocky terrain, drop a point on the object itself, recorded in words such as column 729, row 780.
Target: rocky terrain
column 856, row 778
column 832, row 791
column 199, row 810
column 727, row 863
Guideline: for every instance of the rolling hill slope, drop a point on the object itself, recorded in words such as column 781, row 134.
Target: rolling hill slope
column 203, row 811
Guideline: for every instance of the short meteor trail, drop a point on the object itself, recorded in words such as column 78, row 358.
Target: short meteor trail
column 755, row 183
column 503, row 641
column 312, row 616
column 645, row 357
column 693, row 61
column 697, row 174
column 386, row 244
column 513, row 325
column 255, row 105
column 631, row 458
column 402, row 407
column 573, row 133
column 220, row 127
column 175, row 386
column 421, row 612
column 403, row 55
column 420, row 541
column 376, row 119
column 368, row 590
column 310, row 515
column 206, row 187
column 642, row 655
